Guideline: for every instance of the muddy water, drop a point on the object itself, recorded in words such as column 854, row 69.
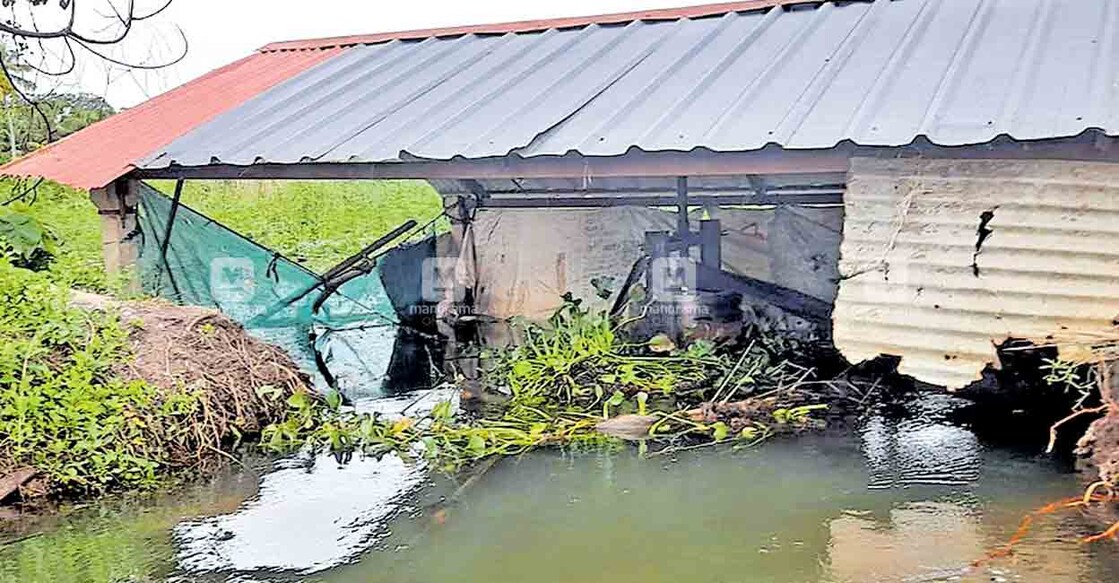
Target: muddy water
column 911, row 496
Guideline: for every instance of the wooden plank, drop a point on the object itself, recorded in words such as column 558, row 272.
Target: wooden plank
column 12, row 482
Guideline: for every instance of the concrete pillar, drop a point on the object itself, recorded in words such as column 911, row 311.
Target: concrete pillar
column 120, row 249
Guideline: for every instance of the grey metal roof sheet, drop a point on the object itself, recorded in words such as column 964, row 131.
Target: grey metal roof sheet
column 878, row 73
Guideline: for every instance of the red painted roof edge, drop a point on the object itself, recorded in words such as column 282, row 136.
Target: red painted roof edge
column 94, row 156
column 12, row 167
column 536, row 25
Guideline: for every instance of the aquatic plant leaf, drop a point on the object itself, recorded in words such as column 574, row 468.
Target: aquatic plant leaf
column 661, row 344
column 476, row 445
column 442, row 411
column 522, row 368
column 401, row 425
column 299, row 400
column 334, row 400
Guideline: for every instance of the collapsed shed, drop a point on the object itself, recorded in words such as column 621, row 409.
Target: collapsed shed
column 927, row 177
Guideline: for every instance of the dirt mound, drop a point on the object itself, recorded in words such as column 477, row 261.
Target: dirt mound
column 201, row 349
column 241, row 383
column 1100, row 445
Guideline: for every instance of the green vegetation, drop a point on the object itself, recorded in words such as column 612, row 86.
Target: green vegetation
column 63, row 410
column 24, row 240
column 95, row 405
column 317, row 224
column 72, row 235
column 564, row 381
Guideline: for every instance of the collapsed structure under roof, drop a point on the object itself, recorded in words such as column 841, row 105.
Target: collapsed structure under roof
column 907, row 128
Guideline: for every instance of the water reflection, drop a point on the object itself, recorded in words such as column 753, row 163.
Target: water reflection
column 907, row 498
column 310, row 514
column 920, row 447
column 305, row 518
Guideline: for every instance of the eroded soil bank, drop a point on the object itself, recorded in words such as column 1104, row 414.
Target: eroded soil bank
column 131, row 395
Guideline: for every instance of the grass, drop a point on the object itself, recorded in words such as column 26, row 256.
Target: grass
column 73, row 219
column 317, row 224
column 62, row 409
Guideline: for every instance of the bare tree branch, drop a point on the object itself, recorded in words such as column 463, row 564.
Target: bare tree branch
column 44, row 37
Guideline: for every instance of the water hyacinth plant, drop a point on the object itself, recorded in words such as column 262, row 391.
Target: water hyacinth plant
column 563, row 382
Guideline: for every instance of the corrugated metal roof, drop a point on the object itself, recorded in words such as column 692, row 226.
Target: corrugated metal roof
column 105, row 151
column 535, row 25
column 915, row 286
column 808, row 76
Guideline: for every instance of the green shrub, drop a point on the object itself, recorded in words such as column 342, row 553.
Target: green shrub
column 62, row 410
column 317, row 223
column 72, row 219
column 24, row 240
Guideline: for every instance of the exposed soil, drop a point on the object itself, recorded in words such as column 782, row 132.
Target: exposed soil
column 241, row 383
column 1100, row 445
column 185, row 347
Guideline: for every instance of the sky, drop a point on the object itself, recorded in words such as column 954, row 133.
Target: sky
column 222, row 31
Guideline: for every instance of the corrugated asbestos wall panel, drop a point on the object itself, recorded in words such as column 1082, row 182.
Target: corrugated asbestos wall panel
column 916, row 286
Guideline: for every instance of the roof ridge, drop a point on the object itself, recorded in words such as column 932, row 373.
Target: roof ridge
column 535, row 25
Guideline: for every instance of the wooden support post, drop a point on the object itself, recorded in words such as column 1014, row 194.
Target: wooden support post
column 116, row 205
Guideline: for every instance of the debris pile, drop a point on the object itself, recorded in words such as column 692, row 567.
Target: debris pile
column 119, row 394
column 1100, row 445
column 579, row 379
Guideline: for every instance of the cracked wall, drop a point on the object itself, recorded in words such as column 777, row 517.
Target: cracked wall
column 942, row 260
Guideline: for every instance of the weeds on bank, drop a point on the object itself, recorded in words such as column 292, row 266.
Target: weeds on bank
column 68, row 236
column 62, row 411
column 562, row 382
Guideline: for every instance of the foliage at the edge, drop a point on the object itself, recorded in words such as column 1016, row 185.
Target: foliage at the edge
column 562, row 380
column 62, row 410
column 25, row 241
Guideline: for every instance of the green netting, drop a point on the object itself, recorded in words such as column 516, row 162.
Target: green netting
column 213, row 266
